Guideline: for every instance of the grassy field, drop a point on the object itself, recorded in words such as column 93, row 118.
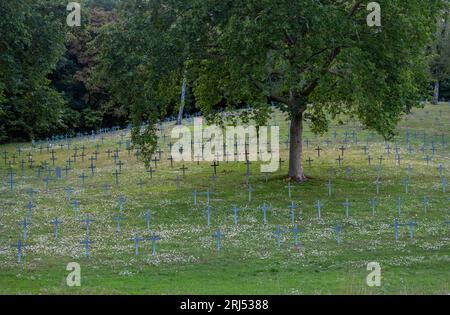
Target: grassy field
column 250, row 260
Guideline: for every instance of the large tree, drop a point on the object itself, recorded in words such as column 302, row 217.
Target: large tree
column 314, row 57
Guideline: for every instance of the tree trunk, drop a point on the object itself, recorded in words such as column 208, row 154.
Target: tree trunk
column 295, row 150
column 183, row 97
column 436, row 93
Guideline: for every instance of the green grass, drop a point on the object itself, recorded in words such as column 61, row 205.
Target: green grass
column 250, row 261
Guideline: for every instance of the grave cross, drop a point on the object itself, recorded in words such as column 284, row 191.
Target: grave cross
column 195, row 197
column 148, row 219
column 119, row 219
column 22, row 165
column 92, row 167
column 30, row 206
column 19, row 247
column 136, row 244
column 339, row 159
column 82, row 177
column 388, row 149
column 247, row 167
column 396, row 225
column 218, row 236
column 329, row 185
column 183, row 169
column 88, row 222
column 365, row 148
column 56, row 224
column 264, row 209
column 214, row 165
column 398, row 158
column 30, row 192
column 75, row 204
column 427, row 159
column 121, row 202
column 250, row 190
column 373, row 204
column 278, row 235
column 116, row 175
column 377, row 183
column 235, row 211
column 46, row 181
column 318, row 207
column 120, row 164
column 155, row 160
column 347, row 171
column 208, row 194
column 440, row 169
column 141, row 183
column 409, row 169
column 346, row 204
column 154, row 238
column 399, row 205
column 25, row 225
column 209, row 215
column 66, row 170
column 5, row 156
column 86, row 244
column 280, row 163
column 178, row 181
column 411, row 225
column 53, row 159
column 289, row 187
column 292, row 207
column 296, row 230
column 307, row 141
column 318, row 149
column 160, row 152
column 151, row 171
column 425, row 202
column 338, row 233
column 170, row 158
column 11, row 180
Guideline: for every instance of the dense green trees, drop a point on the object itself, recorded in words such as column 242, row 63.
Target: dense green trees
column 89, row 105
column 47, row 84
column 31, row 43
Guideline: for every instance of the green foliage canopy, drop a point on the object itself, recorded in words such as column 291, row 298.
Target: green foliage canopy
column 31, row 43
column 313, row 58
